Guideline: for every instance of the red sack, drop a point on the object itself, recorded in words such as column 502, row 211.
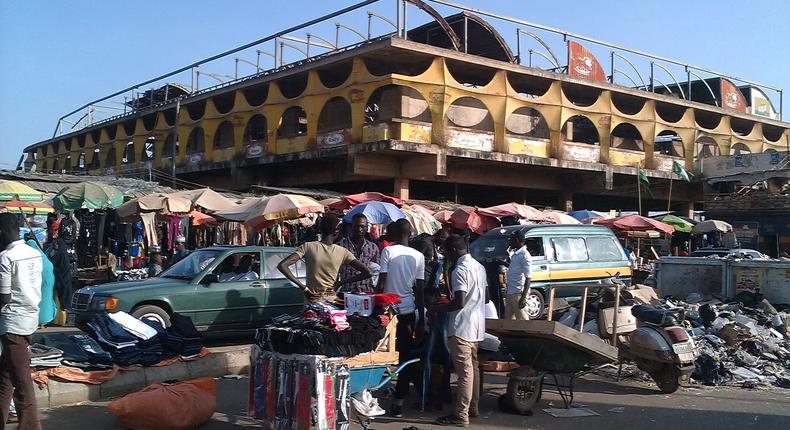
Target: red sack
column 182, row 405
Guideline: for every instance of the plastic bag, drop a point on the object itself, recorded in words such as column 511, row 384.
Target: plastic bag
column 154, row 407
column 366, row 404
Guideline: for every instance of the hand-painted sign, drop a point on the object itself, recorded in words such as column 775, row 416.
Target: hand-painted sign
column 333, row 138
column 583, row 64
column 731, row 97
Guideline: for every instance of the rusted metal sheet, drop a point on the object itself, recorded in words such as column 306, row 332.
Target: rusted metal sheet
column 583, row 64
column 732, row 97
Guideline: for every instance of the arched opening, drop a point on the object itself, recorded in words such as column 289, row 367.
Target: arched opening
column 80, row 141
column 128, row 153
column 470, row 75
column 469, row 112
column 670, row 113
column 741, row 127
column 148, row 148
column 81, row 162
column 580, row 95
column 224, row 102
column 109, row 159
column 627, row 136
column 67, row 164
column 708, row 120
column 170, row 116
column 170, row 148
column 527, row 122
column 628, row 104
column 668, row 143
column 770, row 151
column 67, row 143
column 528, row 86
column 224, row 138
column 293, row 86
column 95, row 161
column 95, row 135
column 54, row 148
column 149, row 121
column 196, row 143
column 772, row 132
column 740, row 149
column 111, row 130
column 256, row 94
column 705, row 147
column 336, row 74
column 413, row 65
column 56, row 165
column 579, row 129
column 197, row 109
column 129, row 126
column 293, row 123
column 335, row 115
column 256, row 136
column 396, row 101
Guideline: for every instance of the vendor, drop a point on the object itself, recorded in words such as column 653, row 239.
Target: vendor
column 517, row 279
column 154, row 267
column 179, row 250
column 364, row 250
column 323, row 260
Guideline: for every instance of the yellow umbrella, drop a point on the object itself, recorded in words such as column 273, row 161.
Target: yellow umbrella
column 11, row 190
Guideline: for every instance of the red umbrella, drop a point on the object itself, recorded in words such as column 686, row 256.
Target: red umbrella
column 443, row 216
column 636, row 223
column 468, row 217
column 370, row 196
column 199, row 218
column 513, row 209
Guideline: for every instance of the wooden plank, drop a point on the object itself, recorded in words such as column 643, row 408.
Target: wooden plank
column 553, row 330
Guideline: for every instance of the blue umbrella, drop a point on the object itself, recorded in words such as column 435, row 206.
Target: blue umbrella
column 586, row 214
column 376, row 212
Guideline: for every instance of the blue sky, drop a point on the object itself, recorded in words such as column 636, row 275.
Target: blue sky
column 57, row 55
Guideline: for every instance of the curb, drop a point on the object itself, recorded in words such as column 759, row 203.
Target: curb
column 228, row 360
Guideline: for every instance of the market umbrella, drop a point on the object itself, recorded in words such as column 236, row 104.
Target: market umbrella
column 207, row 199
column 13, row 190
column 247, row 208
column 157, row 202
column 283, row 207
column 376, row 212
column 421, row 222
column 419, row 208
column 513, row 209
column 711, row 225
column 201, row 219
column 680, row 224
column 556, row 217
column 636, row 223
column 468, row 217
column 88, row 195
column 586, row 214
column 331, row 201
column 371, row 196
column 443, row 216
column 26, row 207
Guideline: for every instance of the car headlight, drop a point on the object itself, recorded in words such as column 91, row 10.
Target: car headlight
column 106, row 303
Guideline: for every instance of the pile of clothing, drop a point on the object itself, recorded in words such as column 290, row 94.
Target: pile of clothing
column 78, row 351
column 42, row 356
column 324, row 329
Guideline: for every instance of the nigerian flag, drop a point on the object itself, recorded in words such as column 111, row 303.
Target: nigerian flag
column 680, row 171
column 644, row 181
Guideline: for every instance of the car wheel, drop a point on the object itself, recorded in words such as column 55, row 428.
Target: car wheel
column 536, row 305
column 154, row 312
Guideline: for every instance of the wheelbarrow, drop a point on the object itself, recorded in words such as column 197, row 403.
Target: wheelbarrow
column 371, row 378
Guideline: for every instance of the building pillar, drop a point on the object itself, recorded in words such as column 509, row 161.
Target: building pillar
column 565, row 201
column 401, row 188
column 688, row 209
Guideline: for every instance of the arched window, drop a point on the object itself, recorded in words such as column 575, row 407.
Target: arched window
column 626, row 136
column 293, row 123
column 580, row 129
column 527, row 122
column 335, row 115
column 706, row 147
column 668, row 143
column 739, row 149
column 196, row 143
column 224, row 138
column 469, row 112
column 396, row 101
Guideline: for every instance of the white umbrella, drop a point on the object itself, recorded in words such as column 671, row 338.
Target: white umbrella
column 246, row 209
column 711, row 225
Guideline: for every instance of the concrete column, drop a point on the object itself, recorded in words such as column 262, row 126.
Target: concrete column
column 402, row 188
column 565, row 201
column 688, row 209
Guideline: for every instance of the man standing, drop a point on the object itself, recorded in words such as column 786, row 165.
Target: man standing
column 323, row 260
column 179, row 250
column 364, row 250
column 20, row 294
column 517, row 279
column 465, row 328
column 402, row 273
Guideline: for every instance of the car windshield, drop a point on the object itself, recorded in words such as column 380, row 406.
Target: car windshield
column 191, row 265
column 489, row 247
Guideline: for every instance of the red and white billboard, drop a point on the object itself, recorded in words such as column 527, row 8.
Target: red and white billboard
column 583, row 64
column 732, row 98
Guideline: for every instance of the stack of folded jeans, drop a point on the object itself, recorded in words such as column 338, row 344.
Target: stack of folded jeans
column 163, row 351
column 182, row 337
column 97, row 357
column 115, row 339
column 78, row 353
column 44, row 355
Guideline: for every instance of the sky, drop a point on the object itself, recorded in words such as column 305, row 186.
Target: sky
column 58, row 55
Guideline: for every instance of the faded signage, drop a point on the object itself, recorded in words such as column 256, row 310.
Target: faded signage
column 761, row 105
column 333, row 138
column 747, row 278
column 731, row 97
column 581, row 152
column 255, row 148
column 583, row 64
column 194, row 159
column 470, row 140
column 746, row 232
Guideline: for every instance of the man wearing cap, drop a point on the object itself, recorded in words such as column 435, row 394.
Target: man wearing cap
column 517, row 279
column 179, row 250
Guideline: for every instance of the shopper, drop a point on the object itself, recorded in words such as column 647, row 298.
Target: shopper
column 364, row 250
column 61, row 263
column 465, row 327
column 47, row 307
column 179, row 250
column 323, row 260
column 517, row 279
column 20, row 295
column 154, row 267
column 402, row 273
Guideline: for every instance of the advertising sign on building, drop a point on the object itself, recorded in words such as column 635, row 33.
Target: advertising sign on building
column 333, row 138
column 732, row 98
column 583, row 64
column 761, row 105
column 747, row 278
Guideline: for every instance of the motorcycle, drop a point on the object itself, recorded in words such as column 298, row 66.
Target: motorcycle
column 659, row 345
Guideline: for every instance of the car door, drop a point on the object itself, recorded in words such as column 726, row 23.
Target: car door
column 569, row 265
column 231, row 303
column 281, row 296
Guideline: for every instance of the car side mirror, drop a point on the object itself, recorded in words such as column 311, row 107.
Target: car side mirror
column 209, row 279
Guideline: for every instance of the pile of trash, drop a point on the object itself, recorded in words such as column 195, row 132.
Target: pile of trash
column 742, row 342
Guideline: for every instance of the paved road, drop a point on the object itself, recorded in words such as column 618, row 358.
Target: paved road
column 698, row 408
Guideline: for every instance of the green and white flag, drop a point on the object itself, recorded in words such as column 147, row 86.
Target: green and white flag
column 645, row 182
column 681, row 172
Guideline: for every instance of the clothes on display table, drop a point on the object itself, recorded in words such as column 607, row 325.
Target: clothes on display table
column 44, row 355
column 77, row 352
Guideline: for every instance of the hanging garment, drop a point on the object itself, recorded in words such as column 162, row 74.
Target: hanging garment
column 137, row 229
column 173, row 229
column 62, row 269
column 47, row 307
column 148, row 220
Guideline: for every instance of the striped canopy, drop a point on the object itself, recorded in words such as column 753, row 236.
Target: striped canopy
column 13, row 190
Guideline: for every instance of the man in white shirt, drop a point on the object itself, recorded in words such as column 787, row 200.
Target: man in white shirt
column 20, row 294
column 403, row 272
column 465, row 328
column 517, row 279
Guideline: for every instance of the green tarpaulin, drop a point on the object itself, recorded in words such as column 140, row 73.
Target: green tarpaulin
column 680, row 224
column 88, row 195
